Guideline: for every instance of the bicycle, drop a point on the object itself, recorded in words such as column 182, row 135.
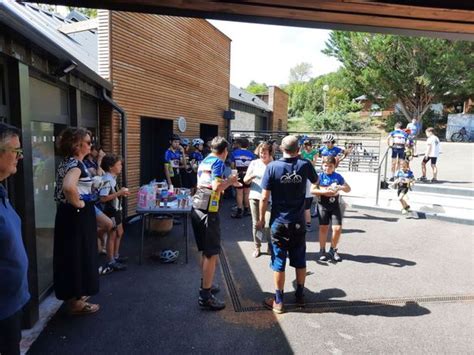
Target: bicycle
column 460, row 136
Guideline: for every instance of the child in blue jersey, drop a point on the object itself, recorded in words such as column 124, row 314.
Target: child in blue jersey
column 240, row 160
column 174, row 159
column 331, row 150
column 404, row 181
column 205, row 218
column 195, row 158
column 329, row 209
column 397, row 140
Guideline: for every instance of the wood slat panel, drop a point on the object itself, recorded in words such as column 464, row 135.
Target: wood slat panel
column 166, row 67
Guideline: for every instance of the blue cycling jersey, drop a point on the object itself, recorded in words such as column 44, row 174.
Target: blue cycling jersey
column 242, row 158
column 209, row 170
column 333, row 152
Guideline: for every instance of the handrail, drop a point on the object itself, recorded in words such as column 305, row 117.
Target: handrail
column 384, row 158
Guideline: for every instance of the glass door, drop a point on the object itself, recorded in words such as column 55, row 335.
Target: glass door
column 45, row 160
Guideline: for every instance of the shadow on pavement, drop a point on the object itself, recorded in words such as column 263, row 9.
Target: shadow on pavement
column 326, row 303
column 383, row 260
column 374, row 218
column 345, row 231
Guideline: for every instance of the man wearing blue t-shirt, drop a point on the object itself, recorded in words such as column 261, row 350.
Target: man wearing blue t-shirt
column 13, row 260
column 285, row 181
column 205, row 218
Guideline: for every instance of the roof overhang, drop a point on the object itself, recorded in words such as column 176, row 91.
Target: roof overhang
column 444, row 19
column 13, row 20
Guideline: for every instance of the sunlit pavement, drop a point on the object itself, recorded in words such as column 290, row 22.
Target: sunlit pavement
column 404, row 286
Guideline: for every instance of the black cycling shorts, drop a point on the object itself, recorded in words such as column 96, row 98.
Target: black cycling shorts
column 307, row 203
column 326, row 215
column 207, row 231
column 398, row 153
column 427, row 159
column 241, row 176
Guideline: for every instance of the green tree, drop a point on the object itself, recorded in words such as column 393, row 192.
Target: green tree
column 300, row 72
column 411, row 71
column 256, row 88
column 91, row 13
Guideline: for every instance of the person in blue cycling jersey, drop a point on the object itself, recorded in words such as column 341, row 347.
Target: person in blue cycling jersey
column 413, row 126
column 331, row 150
column 327, row 190
column 195, row 158
column 404, row 181
column 240, row 159
column 397, row 140
column 174, row 159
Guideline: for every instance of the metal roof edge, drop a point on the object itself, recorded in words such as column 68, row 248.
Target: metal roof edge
column 12, row 19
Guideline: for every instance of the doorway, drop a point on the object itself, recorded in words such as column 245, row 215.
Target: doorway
column 208, row 131
column 155, row 135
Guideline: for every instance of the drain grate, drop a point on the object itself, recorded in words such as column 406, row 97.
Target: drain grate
column 331, row 305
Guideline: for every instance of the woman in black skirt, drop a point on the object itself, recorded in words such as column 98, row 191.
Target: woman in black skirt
column 75, row 260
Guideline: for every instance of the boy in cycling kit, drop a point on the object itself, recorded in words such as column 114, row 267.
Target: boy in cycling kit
column 413, row 127
column 205, row 218
column 240, row 160
column 432, row 154
column 397, row 139
column 285, row 182
column 404, row 181
column 174, row 159
column 329, row 208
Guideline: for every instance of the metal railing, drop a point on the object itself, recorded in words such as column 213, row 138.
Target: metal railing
column 384, row 159
column 364, row 157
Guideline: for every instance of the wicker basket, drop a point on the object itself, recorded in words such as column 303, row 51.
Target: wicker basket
column 161, row 224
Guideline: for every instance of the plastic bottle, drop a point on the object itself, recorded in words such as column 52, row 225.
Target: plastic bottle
column 150, row 197
column 142, row 197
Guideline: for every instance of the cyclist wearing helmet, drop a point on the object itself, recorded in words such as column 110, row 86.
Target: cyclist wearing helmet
column 330, row 150
column 195, row 158
column 174, row 159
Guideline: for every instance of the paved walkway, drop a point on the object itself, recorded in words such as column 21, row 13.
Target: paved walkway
column 405, row 286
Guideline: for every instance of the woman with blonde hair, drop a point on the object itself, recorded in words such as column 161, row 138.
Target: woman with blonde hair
column 75, row 258
column 253, row 177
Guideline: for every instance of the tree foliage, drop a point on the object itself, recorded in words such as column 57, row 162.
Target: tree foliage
column 411, row 71
column 256, row 88
column 300, row 72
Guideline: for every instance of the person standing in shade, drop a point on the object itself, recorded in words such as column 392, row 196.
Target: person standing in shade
column 285, row 182
column 432, row 154
column 75, row 258
column 14, row 292
column 253, row 177
column 205, row 218
column 174, row 160
column 240, row 160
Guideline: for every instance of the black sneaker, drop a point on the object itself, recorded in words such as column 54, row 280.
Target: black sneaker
column 322, row 255
column 211, row 304
column 392, row 178
column 422, row 178
column 122, row 259
column 116, row 266
column 434, row 181
column 237, row 214
column 247, row 212
column 334, row 255
column 214, row 289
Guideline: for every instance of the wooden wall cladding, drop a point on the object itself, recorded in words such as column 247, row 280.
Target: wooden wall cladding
column 166, row 67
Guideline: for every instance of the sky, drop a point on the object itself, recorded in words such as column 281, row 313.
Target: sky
column 266, row 53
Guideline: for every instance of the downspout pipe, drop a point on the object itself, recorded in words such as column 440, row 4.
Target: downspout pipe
column 123, row 129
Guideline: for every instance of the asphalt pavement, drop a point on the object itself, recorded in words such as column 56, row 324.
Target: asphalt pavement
column 404, row 286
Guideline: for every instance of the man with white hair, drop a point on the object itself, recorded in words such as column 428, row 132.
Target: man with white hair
column 285, row 181
column 13, row 260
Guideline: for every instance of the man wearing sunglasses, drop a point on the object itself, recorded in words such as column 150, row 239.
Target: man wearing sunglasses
column 13, row 260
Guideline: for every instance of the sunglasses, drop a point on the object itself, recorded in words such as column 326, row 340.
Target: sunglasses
column 18, row 151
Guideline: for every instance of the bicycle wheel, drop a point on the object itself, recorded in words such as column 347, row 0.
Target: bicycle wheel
column 465, row 138
column 457, row 137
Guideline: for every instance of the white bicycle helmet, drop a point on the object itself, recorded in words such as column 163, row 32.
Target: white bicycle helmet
column 329, row 138
column 197, row 141
column 184, row 141
column 168, row 256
